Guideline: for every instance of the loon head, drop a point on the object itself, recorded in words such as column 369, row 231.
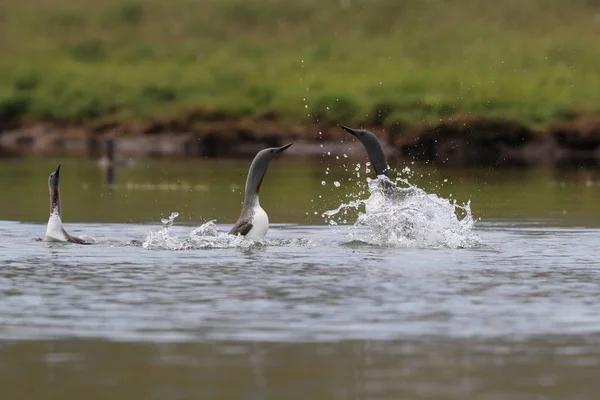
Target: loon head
column 373, row 147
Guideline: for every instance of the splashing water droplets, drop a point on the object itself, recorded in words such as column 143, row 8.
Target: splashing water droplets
column 403, row 215
column 207, row 229
column 207, row 236
column 168, row 222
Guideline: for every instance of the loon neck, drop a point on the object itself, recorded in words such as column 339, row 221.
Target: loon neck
column 251, row 201
column 55, row 202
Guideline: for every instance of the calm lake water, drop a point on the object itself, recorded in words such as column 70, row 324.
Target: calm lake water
column 417, row 301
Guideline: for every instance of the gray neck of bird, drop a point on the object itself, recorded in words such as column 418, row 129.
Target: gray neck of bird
column 256, row 173
column 377, row 157
column 251, row 194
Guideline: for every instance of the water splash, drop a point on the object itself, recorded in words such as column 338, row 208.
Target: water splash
column 162, row 238
column 168, row 222
column 403, row 215
column 207, row 236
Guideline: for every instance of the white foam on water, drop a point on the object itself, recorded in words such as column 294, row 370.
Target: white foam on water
column 208, row 236
column 402, row 215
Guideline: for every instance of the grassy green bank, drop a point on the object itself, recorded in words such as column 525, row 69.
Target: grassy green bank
column 381, row 62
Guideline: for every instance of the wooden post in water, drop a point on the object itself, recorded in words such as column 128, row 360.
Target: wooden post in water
column 109, row 145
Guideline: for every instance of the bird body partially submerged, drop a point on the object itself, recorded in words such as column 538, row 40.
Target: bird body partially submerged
column 254, row 221
column 54, row 230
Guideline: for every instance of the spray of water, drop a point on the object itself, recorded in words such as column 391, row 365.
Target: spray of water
column 399, row 214
column 207, row 236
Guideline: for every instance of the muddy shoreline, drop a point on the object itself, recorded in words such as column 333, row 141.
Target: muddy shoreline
column 459, row 141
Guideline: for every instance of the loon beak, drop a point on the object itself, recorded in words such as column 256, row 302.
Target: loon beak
column 282, row 148
column 373, row 147
column 56, row 178
column 349, row 130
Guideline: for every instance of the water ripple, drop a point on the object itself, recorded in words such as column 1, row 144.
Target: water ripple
column 302, row 283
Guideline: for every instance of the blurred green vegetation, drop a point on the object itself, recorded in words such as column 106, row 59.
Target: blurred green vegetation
column 364, row 61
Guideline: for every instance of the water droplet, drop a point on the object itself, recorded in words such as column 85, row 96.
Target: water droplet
column 323, row 183
column 336, row 184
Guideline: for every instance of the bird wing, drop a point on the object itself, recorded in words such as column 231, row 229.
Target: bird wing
column 74, row 239
column 241, row 228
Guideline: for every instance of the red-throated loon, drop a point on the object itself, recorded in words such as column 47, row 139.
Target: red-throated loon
column 373, row 147
column 55, row 231
column 253, row 221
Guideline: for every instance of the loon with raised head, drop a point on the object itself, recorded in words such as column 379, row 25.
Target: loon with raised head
column 253, row 221
column 373, row 147
column 55, row 231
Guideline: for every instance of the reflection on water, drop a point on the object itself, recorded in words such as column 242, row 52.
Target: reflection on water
column 293, row 191
column 314, row 312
